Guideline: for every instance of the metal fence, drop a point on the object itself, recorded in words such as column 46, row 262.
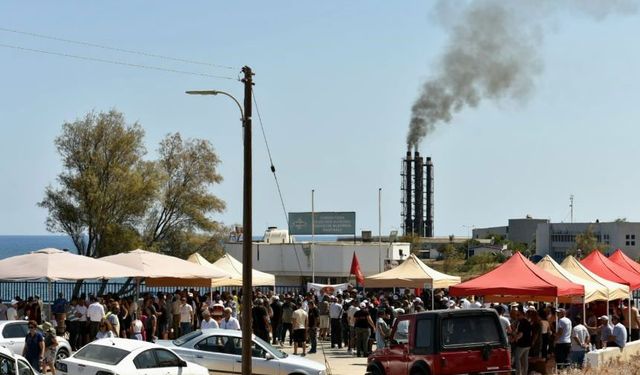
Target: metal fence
column 49, row 291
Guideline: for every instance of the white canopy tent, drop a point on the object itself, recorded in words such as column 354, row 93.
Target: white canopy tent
column 233, row 267
column 164, row 270
column 593, row 291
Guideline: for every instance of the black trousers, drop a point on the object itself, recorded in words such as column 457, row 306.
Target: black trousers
column 336, row 332
column 562, row 353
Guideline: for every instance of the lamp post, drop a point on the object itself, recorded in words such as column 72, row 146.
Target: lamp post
column 247, row 259
column 469, row 227
column 379, row 229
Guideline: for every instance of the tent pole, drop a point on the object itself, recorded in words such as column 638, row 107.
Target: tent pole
column 584, row 312
column 433, row 306
column 556, row 303
column 629, row 307
column 49, row 280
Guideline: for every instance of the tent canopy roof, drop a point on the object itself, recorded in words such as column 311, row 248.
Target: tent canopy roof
column 412, row 273
column 155, row 265
column 592, row 290
column 615, row 290
column 233, row 267
column 518, row 276
column 54, row 264
column 603, row 267
column 621, row 259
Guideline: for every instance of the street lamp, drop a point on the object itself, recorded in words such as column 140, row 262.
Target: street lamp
column 469, row 227
column 247, row 260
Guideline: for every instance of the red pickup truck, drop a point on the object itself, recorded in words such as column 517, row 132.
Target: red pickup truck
column 444, row 342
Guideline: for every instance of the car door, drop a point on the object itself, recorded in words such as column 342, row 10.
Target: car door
column 398, row 350
column 217, row 353
column 261, row 364
column 7, row 365
column 167, row 363
column 13, row 336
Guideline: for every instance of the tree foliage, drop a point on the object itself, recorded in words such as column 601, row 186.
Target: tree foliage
column 105, row 182
column 109, row 199
column 586, row 242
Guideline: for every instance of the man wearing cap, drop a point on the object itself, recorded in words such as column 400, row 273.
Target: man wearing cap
column 362, row 325
column 351, row 311
column 563, row 338
column 228, row 321
column 606, row 330
column 335, row 314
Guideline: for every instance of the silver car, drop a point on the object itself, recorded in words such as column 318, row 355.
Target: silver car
column 13, row 333
column 14, row 364
column 220, row 351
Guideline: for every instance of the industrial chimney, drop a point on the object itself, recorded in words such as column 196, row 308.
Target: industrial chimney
column 417, row 195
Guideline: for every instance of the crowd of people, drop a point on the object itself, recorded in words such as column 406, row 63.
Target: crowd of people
column 349, row 319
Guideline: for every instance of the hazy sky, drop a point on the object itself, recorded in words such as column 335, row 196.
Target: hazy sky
column 335, row 83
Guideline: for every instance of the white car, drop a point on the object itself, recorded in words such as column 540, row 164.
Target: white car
column 13, row 333
column 113, row 356
column 220, row 350
column 14, row 364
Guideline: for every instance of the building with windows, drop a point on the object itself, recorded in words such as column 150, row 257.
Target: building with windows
column 557, row 239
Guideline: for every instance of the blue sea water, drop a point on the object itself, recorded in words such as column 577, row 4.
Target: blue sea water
column 17, row 245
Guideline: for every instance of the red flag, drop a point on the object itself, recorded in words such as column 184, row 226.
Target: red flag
column 355, row 270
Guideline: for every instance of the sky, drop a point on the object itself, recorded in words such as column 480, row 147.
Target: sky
column 334, row 83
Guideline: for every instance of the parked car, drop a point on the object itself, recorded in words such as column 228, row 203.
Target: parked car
column 444, row 342
column 14, row 364
column 220, row 350
column 13, row 333
column 125, row 356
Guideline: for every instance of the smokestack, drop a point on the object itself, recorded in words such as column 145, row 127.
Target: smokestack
column 408, row 188
column 418, row 195
column 429, row 224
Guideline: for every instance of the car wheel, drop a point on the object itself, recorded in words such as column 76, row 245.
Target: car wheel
column 62, row 354
column 375, row 370
column 419, row 370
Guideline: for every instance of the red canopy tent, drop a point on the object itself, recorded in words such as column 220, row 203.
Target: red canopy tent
column 603, row 267
column 621, row 259
column 517, row 279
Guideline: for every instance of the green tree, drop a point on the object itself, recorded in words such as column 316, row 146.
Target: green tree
column 452, row 257
column 587, row 242
column 186, row 170
column 105, row 186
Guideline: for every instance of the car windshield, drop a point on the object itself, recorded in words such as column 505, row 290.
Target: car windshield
column 107, row 355
column 186, row 338
column 276, row 352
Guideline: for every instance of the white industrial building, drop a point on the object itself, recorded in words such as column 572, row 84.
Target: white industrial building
column 556, row 239
column 295, row 263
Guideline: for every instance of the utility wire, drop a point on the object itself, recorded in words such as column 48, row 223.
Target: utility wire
column 115, row 48
column 115, row 62
column 275, row 176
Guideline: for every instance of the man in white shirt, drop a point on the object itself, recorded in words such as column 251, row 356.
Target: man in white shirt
column 207, row 320
column 186, row 316
column 228, row 321
column 619, row 333
column 563, row 338
column 579, row 342
column 95, row 313
column 12, row 312
column 351, row 311
column 300, row 323
column 335, row 314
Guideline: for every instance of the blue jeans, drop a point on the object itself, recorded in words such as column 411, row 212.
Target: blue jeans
column 185, row 327
column 577, row 357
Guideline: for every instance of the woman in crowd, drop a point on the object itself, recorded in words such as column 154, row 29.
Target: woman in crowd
column 34, row 346
column 105, row 329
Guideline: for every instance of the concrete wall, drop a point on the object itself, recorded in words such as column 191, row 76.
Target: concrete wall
column 524, row 230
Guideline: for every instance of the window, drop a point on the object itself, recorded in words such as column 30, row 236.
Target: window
column 7, row 366
column 24, row 368
column 107, row 355
column 12, row 331
column 145, row 359
column 186, row 338
column 424, row 334
column 401, row 336
column 465, row 330
column 166, row 358
column 214, row 344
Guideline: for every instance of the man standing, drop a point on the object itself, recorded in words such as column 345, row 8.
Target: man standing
column 186, row 316
column 382, row 328
column 276, row 319
column 300, row 322
column 523, row 344
column 634, row 332
column 95, row 313
column 287, row 312
column 228, row 321
column 164, row 317
column 175, row 314
column 563, row 338
column 579, row 342
column 314, row 317
column 606, row 331
column 261, row 325
column 619, row 334
column 351, row 311
column 335, row 314
column 12, row 312
column 323, row 307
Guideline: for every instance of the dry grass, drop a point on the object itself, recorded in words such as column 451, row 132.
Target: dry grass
column 613, row 368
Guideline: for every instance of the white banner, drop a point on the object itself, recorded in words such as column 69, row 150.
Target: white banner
column 322, row 289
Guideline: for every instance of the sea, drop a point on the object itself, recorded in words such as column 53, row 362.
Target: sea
column 11, row 245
